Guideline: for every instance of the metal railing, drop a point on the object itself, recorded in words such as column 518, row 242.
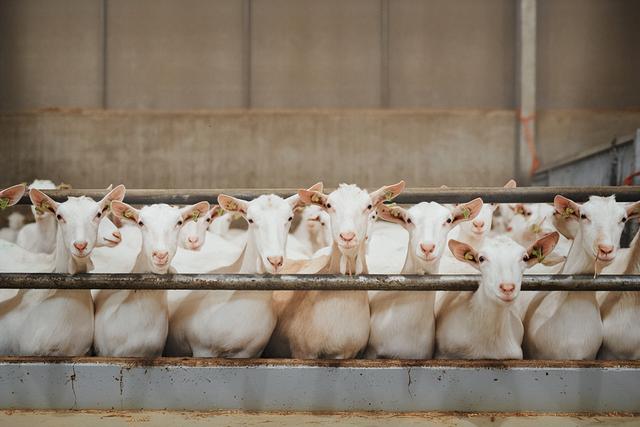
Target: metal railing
column 307, row 282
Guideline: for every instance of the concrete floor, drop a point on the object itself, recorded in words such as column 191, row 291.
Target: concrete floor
column 117, row 418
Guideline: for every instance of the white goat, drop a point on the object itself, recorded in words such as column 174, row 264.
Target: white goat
column 135, row 322
column 483, row 324
column 41, row 235
column 194, row 233
column 312, row 234
column 620, row 312
column 332, row 324
column 403, row 322
column 567, row 324
column 58, row 322
column 236, row 323
column 10, row 233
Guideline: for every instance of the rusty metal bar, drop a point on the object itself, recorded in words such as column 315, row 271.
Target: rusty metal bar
column 409, row 196
column 307, row 282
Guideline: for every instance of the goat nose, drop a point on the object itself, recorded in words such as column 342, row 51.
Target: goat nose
column 160, row 254
column 605, row 249
column 427, row 248
column 507, row 288
column 347, row 237
column 193, row 239
column 275, row 261
column 81, row 246
column 478, row 223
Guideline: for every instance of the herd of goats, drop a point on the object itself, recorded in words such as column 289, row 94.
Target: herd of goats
column 349, row 231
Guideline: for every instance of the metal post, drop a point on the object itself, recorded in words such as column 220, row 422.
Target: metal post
column 526, row 160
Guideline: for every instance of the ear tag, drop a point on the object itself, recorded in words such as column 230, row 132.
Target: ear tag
column 535, row 228
column 388, row 195
column 236, row 216
column 4, row 203
column 43, row 208
column 537, row 252
column 194, row 215
column 567, row 213
column 129, row 214
column 395, row 213
column 466, row 212
column 315, row 198
column 469, row 256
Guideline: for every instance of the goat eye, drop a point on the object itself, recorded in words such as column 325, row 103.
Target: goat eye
column 481, row 259
column 99, row 214
column 583, row 216
column 369, row 207
column 140, row 223
column 528, row 213
column 250, row 221
column 624, row 219
column 180, row 222
column 408, row 220
column 525, row 257
column 449, row 220
column 290, row 218
column 208, row 219
column 328, row 205
column 59, row 217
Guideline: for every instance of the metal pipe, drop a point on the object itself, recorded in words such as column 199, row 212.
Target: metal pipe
column 306, row 282
column 409, row 196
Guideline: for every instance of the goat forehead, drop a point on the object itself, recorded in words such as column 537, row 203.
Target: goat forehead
column 312, row 211
column 605, row 208
column 160, row 215
column 77, row 206
column 349, row 195
column 268, row 206
column 502, row 248
column 429, row 212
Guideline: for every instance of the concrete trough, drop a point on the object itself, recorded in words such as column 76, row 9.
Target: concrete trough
column 319, row 386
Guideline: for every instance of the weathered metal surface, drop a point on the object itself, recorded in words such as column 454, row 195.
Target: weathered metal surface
column 409, row 196
column 307, row 282
column 112, row 418
column 276, row 385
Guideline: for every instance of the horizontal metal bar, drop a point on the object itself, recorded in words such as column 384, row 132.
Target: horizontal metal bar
column 409, row 196
column 306, row 282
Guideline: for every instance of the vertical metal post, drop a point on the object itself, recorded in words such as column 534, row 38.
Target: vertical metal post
column 384, row 54
column 104, row 54
column 526, row 160
column 246, row 53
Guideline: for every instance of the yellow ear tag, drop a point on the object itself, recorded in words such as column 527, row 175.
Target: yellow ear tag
column 567, row 213
column 4, row 203
column 194, row 215
column 388, row 195
column 396, row 213
column 535, row 228
column 43, row 208
column 232, row 206
column 466, row 212
column 469, row 256
column 537, row 252
column 129, row 214
column 315, row 198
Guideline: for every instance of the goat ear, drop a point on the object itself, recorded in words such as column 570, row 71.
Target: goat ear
column 633, row 210
column 42, row 202
column 541, row 248
column 297, row 202
column 467, row 211
column 115, row 194
column 216, row 211
column 12, row 195
column 567, row 208
column 311, row 197
column 464, row 252
column 194, row 211
column 231, row 204
column 394, row 213
column 386, row 193
column 124, row 211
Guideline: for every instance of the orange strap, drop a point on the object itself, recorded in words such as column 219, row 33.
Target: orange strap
column 525, row 122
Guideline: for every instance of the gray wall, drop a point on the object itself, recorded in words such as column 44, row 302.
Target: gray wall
column 431, row 81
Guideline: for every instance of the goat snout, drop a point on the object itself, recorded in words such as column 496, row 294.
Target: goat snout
column 161, row 257
column 347, row 237
column 507, row 288
column 605, row 249
column 117, row 236
column 275, row 261
column 80, row 246
column 478, row 223
column 427, row 248
column 193, row 239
